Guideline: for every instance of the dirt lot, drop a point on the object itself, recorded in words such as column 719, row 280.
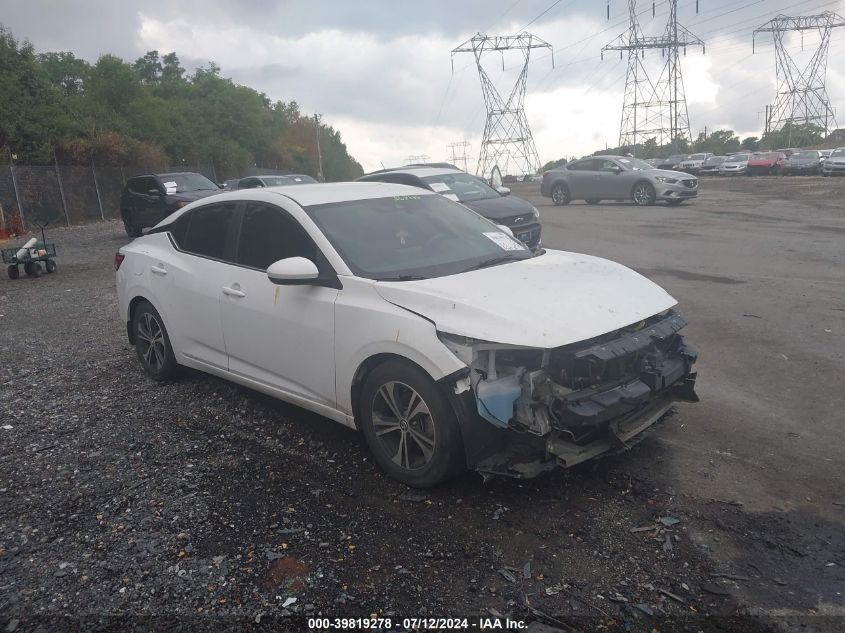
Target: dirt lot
column 126, row 504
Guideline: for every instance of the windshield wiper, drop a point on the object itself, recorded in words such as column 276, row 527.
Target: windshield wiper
column 402, row 278
column 499, row 259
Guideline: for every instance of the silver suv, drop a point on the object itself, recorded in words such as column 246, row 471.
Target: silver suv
column 598, row 178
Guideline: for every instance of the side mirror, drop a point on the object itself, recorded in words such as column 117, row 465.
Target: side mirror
column 505, row 229
column 503, row 191
column 616, row 169
column 292, row 271
column 154, row 192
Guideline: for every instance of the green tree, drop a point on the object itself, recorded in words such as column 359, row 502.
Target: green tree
column 149, row 67
column 750, row 143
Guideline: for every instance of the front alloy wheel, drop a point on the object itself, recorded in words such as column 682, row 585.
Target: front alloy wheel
column 560, row 194
column 644, row 194
column 152, row 344
column 410, row 425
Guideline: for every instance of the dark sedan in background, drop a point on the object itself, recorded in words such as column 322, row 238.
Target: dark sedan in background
column 497, row 205
column 808, row 161
column 148, row 199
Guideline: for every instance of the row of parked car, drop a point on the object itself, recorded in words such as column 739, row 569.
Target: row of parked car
column 826, row 162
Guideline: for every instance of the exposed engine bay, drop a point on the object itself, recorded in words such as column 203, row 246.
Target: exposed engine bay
column 568, row 404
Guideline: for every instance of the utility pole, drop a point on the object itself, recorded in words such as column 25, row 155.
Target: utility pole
column 507, row 141
column 459, row 151
column 319, row 154
column 801, row 93
column 654, row 109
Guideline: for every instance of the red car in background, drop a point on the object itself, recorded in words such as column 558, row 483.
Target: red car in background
column 766, row 163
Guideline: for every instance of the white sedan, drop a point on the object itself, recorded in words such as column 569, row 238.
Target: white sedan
column 398, row 312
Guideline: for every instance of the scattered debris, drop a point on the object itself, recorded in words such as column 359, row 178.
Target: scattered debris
column 675, row 597
column 288, row 603
column 526, row 571
column 507, row 575
column 9, row 427
column 644, row 608
column 714, row 589
column 644, row 528
column 413, row 497
column 668, row 521
column 729, row 576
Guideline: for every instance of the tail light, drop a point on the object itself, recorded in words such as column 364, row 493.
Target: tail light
column 118, row 260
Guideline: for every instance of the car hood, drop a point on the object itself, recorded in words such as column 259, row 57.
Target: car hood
column 501, row 207
column 190, row 196
column 668, row 173
column 547, row 301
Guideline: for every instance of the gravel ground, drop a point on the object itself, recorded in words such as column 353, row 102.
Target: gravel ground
column 200, row 505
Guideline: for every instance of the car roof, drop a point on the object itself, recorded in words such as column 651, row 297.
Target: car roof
column 325, row 193
column 177, row 173
column 422, row 171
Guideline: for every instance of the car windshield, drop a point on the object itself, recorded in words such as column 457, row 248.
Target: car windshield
column 804, row 155
column 698, row 157
column 467, row 188
column 635, row 163
column 715, row 160
column 276, row 181
column 182, row 183
column 301, row 179
column 838, row 152
column 402, row 238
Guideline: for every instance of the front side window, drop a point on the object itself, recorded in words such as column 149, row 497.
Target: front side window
column 268, row 234
column 208, row 229
column 635, row 163
column 467, row 188
column 407, row 237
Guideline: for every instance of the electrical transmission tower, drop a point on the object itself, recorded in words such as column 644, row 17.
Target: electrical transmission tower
column 654, row 109
column 802, row 94
column 507, row 141
column 418, row 159
column 459, row 151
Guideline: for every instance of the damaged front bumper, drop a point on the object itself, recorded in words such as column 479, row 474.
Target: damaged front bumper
column 564, row 406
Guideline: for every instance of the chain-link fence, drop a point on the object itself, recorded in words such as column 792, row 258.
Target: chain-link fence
column 68, row 194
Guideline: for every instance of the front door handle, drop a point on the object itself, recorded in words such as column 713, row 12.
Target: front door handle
column 233, row 292
column 159, row 269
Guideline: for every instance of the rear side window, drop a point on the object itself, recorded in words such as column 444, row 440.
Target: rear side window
column 583, row 165
column 208, row 229
column 269, row 234
column 179, row 229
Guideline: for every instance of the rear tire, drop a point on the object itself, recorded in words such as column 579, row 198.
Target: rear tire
column 50, row 265
column 409, row 426
column 152, row 343
column 13, row 271
column 560, row 194
column 33, row 269
column 132, row 230
column 643, row 194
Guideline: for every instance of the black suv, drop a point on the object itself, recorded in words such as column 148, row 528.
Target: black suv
column 497, row 205
column 147, row 200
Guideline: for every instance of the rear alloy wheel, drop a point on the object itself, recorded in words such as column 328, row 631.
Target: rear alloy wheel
column 152, row 343
column 644, row 194
column 409, row 426
column 592, row 201
column 560, row 194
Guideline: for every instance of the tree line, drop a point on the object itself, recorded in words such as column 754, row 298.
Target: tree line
column 55, row 106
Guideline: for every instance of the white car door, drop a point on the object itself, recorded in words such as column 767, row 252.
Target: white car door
column 191, row 280
column 281, row 336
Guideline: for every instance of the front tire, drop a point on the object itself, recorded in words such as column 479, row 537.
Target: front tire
column 152, row 343
column 13, row 271
column 409, row 425
column 560, row 194
column 643, row 194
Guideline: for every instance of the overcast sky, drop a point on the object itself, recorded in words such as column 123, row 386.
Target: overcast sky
column 380, row 72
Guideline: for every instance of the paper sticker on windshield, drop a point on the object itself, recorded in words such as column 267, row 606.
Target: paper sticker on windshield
column 505, row 241
column 439, row 187
column 451, row 197
column 171, row 187
column 401, row 198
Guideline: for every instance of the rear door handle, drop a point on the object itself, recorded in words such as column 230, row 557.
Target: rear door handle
column 233, row 292
column 159, row 269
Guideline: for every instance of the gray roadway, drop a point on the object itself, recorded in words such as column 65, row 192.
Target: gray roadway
column 760, row 275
